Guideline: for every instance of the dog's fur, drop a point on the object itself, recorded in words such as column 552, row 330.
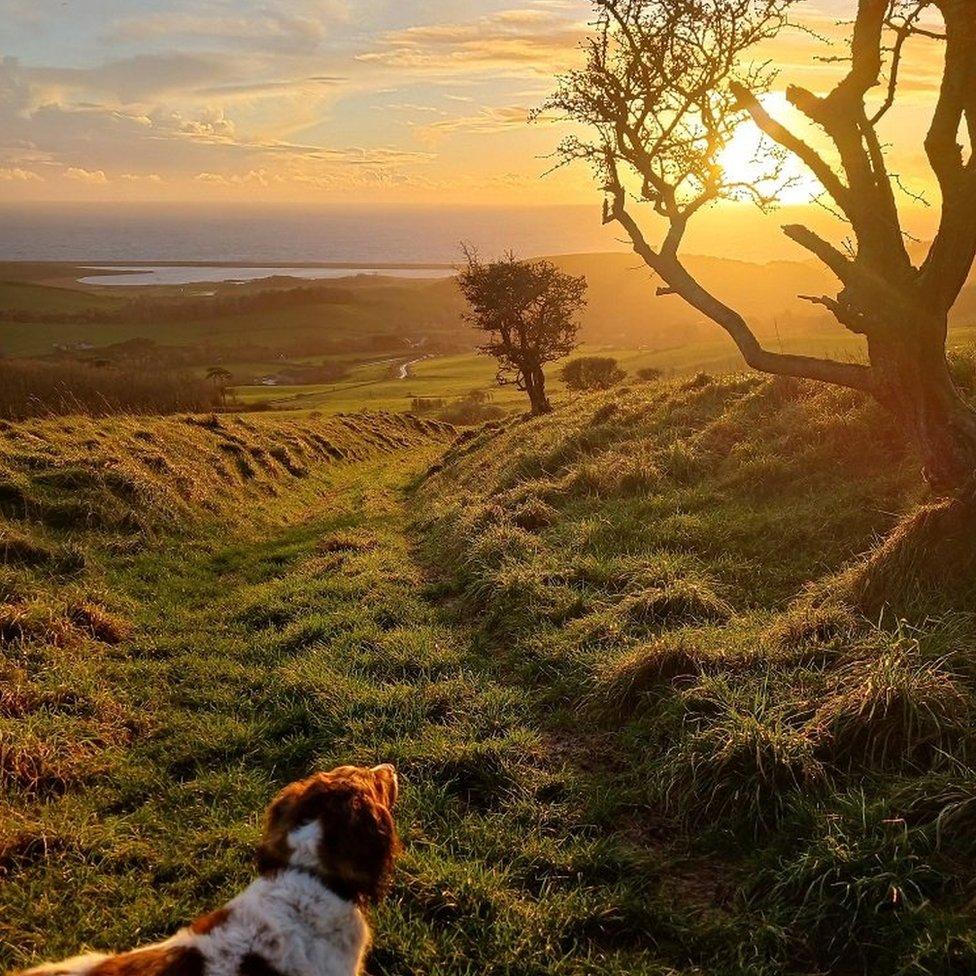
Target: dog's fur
column 328, row 848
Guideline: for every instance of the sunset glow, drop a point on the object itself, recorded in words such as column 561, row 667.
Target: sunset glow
column 320, row 100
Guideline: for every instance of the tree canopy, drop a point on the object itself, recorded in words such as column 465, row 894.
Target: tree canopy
column 527, row 309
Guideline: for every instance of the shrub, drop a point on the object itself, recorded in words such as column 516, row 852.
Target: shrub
column 35, row 388
column 473, row 408
column 649, row 373
column 426, row 404
column 592, row 373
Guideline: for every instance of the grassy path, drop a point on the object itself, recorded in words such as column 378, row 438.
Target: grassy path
column 258, row 657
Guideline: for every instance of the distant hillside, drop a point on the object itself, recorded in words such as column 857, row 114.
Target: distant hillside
column 368, row 316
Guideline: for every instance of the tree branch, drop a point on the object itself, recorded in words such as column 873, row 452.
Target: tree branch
column 794, row 144
column 950, row 259
column 679, row 281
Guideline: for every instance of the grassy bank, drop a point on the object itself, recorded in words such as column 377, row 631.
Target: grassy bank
column 163, row 681
column 643, row 561
column 634, row 738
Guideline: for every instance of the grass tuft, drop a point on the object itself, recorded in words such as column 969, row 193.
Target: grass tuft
column 805, row 626
column 892, row 708
column 744, row 761
column 622, row 686
column 97, row 622
column 673, row 604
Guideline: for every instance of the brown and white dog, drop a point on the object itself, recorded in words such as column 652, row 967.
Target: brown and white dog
column 328, row 848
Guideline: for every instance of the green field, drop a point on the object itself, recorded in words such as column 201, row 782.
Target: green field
column 371, row 326
column 646, row 721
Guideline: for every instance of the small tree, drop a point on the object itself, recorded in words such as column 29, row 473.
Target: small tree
column 220, row 377
column 527, row 309
column 592, row 373
column 666, row 85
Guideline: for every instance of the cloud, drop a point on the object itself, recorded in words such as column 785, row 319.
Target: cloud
column 95, row 177
column 28, row 12
column 311, row 85
column 136, row 79
column 277, row 27
column 488, row 120
column 256, row 177
column 18, row 175
column 539, row 39
column 269, row 30
column 154, row 178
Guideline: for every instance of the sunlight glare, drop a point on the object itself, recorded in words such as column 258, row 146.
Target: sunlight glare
column 746, row 159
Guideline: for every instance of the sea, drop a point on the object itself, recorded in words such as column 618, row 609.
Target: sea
column 254, row 237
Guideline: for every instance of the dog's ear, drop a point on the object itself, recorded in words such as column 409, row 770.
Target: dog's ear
column 273, row 852
column 359, row 841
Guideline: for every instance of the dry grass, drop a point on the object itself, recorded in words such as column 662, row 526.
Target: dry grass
column 926, row 566
column 97, row 622
column 675, row 603
column 808, row 627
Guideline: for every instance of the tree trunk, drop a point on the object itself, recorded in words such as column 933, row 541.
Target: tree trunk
column 914, row 382
column 535, row 386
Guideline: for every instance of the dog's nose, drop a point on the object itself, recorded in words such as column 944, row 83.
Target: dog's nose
column 386, row 773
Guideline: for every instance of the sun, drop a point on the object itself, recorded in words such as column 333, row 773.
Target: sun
column 748, row 159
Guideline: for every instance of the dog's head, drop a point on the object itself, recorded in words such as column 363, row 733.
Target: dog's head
column 338, row 826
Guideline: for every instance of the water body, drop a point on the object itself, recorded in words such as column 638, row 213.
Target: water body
column 259, row 235
column 183, row 275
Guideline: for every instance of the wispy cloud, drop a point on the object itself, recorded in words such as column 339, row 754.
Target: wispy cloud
column 537, row 39
column 18, row 175
column 96, row 177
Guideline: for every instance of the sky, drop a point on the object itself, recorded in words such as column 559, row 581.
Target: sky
column 342, row 101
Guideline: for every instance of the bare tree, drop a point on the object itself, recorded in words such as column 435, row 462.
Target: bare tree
column 666, row 84
column 528, row 310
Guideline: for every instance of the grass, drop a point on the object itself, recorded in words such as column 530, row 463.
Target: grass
column 679, row 597
column 643, row 724
column 162, row 694
column 32, row 388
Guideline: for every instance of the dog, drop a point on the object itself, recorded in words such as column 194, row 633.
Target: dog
column 327, row 851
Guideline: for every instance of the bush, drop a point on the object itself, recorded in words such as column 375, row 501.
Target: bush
column 426, row 404
column 36, row 388
column 592, row 373
column 649, row 373
column 473, row 408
